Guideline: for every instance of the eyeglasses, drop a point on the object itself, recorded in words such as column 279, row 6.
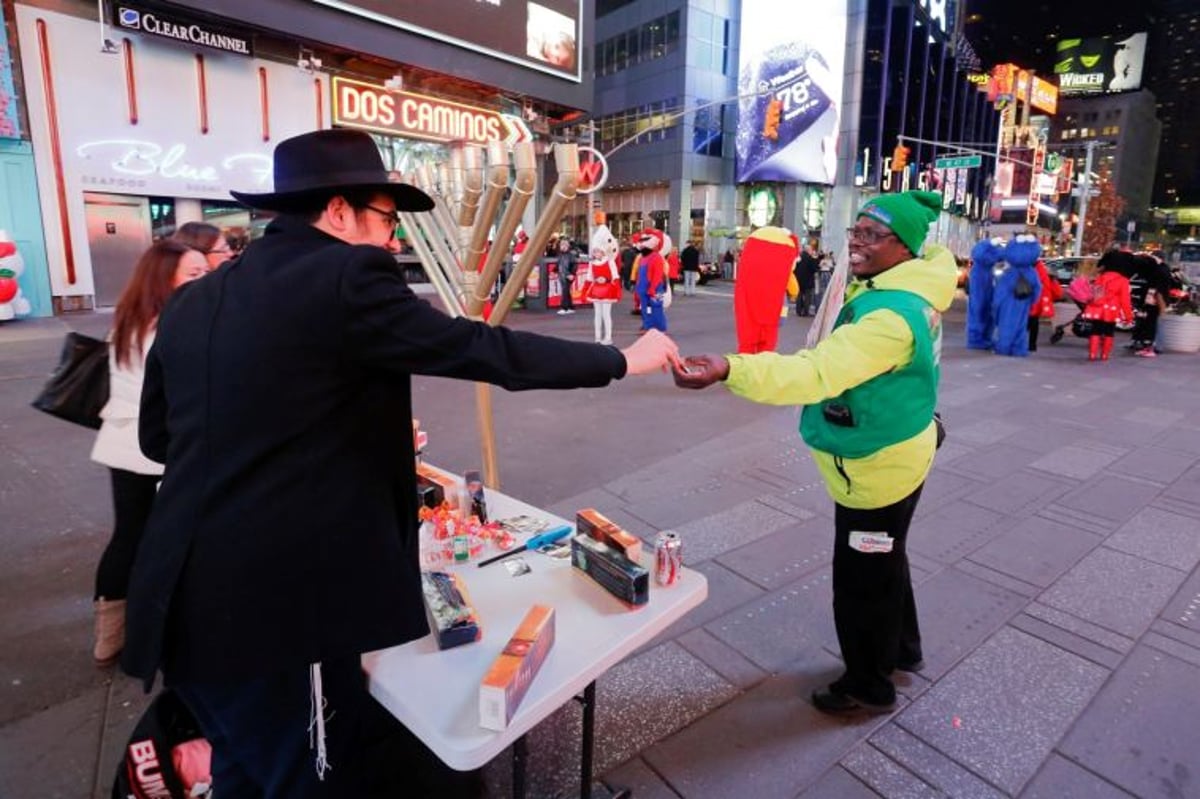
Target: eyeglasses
column 866, row 235
column 219, row 251
column 392, row 216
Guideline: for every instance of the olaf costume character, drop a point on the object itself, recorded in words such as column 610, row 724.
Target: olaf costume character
column 604, row 287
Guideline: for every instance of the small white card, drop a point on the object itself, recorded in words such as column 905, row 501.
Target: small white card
column 871, row 542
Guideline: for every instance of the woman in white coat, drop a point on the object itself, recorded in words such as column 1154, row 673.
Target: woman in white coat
column 161, row 269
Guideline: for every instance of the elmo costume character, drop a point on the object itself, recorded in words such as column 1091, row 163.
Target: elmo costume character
column 763, row 273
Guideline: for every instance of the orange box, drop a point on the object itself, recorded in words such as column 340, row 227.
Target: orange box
column 451, row 487
column 596, row 525
column 505, row 684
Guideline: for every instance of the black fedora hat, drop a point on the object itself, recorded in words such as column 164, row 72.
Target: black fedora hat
column 321, row 164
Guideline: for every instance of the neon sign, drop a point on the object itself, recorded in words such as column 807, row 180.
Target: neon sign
column 593, row 173
column 139, row 158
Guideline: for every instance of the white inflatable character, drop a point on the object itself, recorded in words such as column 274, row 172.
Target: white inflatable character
column 604, row 285
column 12, row 302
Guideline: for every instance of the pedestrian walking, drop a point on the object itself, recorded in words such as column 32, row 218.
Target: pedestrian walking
column 869, row 391
column 283, row 542
column 805, row 271
column 689, row 262
column 134, row 478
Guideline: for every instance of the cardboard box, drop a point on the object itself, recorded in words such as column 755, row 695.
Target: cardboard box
column 443, row 484
column 591, row 522
column 452, row 617
column 505, row 684
column 621, row 577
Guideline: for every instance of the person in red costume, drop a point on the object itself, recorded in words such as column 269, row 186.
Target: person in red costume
column 1043, row 308
column 652, row 279
column 766, row 265
column 1110, row 302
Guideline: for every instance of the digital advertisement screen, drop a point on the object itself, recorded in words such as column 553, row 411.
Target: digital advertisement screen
column 545, row 35
column 790, row 90
column 1100, row 65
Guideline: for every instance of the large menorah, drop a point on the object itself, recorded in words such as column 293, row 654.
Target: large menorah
column 451, row 240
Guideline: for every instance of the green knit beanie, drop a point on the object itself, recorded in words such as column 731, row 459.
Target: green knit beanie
column 908, row 214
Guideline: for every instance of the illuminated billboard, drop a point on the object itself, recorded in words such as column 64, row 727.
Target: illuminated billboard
column 545, row 35
column 1100, row 65
column 790, row 90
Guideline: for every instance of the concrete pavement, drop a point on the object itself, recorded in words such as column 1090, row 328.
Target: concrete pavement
column 1055, row 553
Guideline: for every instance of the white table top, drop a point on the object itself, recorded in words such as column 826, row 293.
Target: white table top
column 435, row 693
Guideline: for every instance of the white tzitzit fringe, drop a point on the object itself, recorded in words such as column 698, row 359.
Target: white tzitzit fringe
column 316, row 721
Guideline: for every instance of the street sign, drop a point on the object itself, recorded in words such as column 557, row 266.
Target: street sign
column 958, row 162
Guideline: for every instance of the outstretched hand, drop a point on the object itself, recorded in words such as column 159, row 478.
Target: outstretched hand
column 699, row 371
column 652, row 352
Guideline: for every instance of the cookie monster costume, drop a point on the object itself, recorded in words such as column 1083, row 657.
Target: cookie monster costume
column 981, row 325
column 1017, row 289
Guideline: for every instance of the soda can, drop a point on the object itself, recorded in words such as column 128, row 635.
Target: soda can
column 668, row 558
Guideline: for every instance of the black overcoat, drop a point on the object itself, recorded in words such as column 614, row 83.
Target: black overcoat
column 277, row 393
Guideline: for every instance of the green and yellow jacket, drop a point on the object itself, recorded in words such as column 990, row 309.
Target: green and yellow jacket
column 877, row 368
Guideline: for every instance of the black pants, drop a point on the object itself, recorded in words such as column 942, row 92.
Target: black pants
column 133, row 496
column 873, row 606
column 259, row 731
column 565, row 281
column 1034, row 323
column 1145, row 330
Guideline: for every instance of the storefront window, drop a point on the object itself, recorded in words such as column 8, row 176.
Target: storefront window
column 162, row 217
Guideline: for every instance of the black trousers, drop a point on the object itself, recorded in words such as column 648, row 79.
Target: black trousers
column 133, row 496
column 873, row 606
column 1034, row 323
column 259, row 732
column 1145, row 329
column 565, row 282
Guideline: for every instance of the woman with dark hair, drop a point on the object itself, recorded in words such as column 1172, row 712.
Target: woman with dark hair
column 164, row 267
column 207, row 239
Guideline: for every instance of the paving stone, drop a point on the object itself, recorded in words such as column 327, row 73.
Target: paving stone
column 1002, row 722
column 1077, row 644
column 837, row 783
column 952, row 452
column 943, row 486
column 1075, row 462
column 1154, row 417
column 1075, row 398
column 996, row 460
column 599, row 498
column 957, row 612
column 1081, row 520
column 769, row 743
column 727, row 529
column 1184, row 607
column 1050, row 434
column 1062, row 779
column 782, row 626
column 1154, row 463
column 1018, row 492
column 726, row 591
column 1115, row 591
column 785, row 556
column 952, row 531
column 54, row 750
column 884, row 775
column 1036, row 550
column 931, row 765
column 1172, row 646
column 1186, row 487
column 1110, row 497
column 1181, row 438
column 1084, row 629
column 721, row 658
column 698, row 506
column 1175, row 632
column 985, row 431
column 1008, row 583
column 1105, row 384
column 640, row 779
column 126, row 702
column 1161, row 537
column 1140, row 731
column 800, row 510
column 638, row 701
column 1128, row 434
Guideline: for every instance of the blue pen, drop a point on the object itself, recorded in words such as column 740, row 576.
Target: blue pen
column 534, row 543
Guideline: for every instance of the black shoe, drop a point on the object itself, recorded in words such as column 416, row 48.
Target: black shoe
column 833, row 702
column 912, row 666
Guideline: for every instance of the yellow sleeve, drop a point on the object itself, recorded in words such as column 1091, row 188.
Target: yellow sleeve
column 793, row 287
column 853, row 354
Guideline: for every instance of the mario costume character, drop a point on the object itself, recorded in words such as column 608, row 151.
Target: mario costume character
column 652, row 279
column 868, row 392
column 603, row 289
column 762, row 281
column 981, row 325
column 1017, row 289
column 12, row 302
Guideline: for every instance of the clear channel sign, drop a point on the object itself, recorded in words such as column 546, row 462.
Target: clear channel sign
column 958, row 162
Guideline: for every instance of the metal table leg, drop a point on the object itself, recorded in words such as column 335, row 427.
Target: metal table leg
column 520, row 754
column 588, row 701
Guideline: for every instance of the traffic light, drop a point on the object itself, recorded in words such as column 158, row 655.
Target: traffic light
column 900, row 158
column 771, row 123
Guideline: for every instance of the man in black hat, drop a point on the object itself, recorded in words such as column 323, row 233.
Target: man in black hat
column 283, row 541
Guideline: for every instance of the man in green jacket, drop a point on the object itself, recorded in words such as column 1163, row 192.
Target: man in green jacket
column 869, row 392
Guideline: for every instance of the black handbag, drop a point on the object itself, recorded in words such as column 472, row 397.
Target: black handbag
column 78, row 387
column 1023, row 289
column 1082, row 327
